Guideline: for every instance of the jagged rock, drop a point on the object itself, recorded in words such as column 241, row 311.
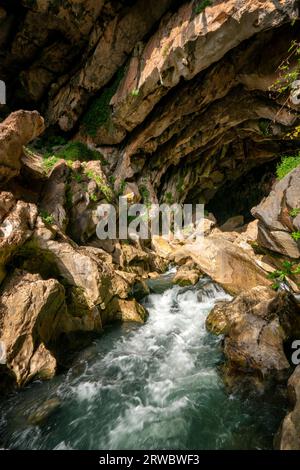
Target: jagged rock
column 16, row 226
column 187, row 275
column 230, row 265
column 184, row 45
column 256, row 324
column 30, row 312
column 276, row 224
column 17, row 130
column 289, row 434
column 126, row 311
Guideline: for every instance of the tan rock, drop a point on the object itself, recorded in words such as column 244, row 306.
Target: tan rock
column 256, row 324
column 30, row 313
column 15, row 228
column 168, row 55
column 275, row 224
column 17, row 130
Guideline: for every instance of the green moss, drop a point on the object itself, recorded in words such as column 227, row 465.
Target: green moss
column 287, row 164
column 294, row 212
column 200, row 7
column 78, row 151
column 46, row 217
column 50, row 162
column 99, row 113
column 169, row 198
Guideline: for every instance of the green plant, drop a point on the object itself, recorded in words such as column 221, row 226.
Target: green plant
column 78, row 151
column 106, row 190
column 296, row 235
column 122, row 187
column 135, row 92
column 200, row 7
column 144, row 192
column 287, row 164
column 93, row 197
column 288, row 268
column 288, row 73
column 46, row 217
column 294, row 212
column 169, row 198
column 50, row 162
column 99, row 111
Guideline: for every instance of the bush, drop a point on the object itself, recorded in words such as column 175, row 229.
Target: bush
column 78, row 151
column 287, row 164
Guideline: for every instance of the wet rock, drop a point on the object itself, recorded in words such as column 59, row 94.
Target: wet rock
column 276, row 223
column 43, row 412
column 187, row 275
column 256, row 324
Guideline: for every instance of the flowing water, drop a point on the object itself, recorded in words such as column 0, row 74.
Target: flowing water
column 154, row 386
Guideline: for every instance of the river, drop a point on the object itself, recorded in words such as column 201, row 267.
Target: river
column 155, row 386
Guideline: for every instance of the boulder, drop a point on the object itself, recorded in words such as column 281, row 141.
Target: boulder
column 30, row 313
column 256, row 324
column 17, row 130
column 17, row 222
column 187, row 275
column 288, row 437
column 274, row 213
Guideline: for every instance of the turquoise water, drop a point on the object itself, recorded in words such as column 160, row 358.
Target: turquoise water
column 154, row 386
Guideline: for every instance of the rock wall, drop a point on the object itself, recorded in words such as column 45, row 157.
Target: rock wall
column 177, row 93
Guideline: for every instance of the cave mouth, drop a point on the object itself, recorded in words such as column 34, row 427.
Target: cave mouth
column 239, row 196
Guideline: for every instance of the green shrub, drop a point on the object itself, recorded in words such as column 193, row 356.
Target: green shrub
column 296, row 235
column 78, row 151
column 46, row 217
column 287, row 164
column 288, row 268
column 294, row 212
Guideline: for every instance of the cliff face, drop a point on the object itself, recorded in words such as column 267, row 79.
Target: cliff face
column 177, row 95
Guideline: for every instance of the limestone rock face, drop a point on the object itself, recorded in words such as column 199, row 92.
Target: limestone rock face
column 17, row 130
column 256, row 324
column 30, row 311
column 276, row 223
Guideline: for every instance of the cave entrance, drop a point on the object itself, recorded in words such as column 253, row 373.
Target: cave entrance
column 239, row 196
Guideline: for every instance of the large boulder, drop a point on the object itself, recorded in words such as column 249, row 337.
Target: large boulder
column 288, row 437
column 232, row 265
column 30, row 313
column 256, row 324
column 276, row 220
column 17, row 130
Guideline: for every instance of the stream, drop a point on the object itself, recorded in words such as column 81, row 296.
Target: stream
column 155, row 386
